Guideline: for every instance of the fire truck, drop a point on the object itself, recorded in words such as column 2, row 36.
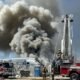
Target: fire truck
column 67, row 67
column 6, row 69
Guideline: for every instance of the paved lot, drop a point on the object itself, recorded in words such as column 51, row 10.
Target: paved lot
column 40, row 78
column 29, row 78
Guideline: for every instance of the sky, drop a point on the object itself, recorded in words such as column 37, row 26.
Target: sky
column 65, row 7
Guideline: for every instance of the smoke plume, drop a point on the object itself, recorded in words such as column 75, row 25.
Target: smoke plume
column 28, row 29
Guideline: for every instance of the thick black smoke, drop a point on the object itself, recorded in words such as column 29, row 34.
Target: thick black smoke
column 28, row 29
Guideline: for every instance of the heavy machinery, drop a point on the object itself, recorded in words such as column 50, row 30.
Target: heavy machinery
column 6, row 69
column 66, row 66
column 66, row 42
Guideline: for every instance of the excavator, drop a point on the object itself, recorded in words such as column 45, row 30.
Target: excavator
column 65, row 65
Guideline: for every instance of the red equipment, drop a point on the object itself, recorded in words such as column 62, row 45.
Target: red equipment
column 67, row 67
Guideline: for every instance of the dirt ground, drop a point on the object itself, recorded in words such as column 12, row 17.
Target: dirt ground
column 29, row 78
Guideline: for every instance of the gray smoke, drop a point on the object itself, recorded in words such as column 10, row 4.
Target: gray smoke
column 10, row 19
column 28, row 29
column 29, row 37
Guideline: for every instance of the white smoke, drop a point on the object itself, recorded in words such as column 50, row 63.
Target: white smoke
column 29, row 28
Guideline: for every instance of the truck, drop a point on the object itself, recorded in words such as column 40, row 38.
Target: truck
column 68, row 67
column 6, row 69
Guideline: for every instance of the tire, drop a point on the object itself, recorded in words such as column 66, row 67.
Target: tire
column 74, row 76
